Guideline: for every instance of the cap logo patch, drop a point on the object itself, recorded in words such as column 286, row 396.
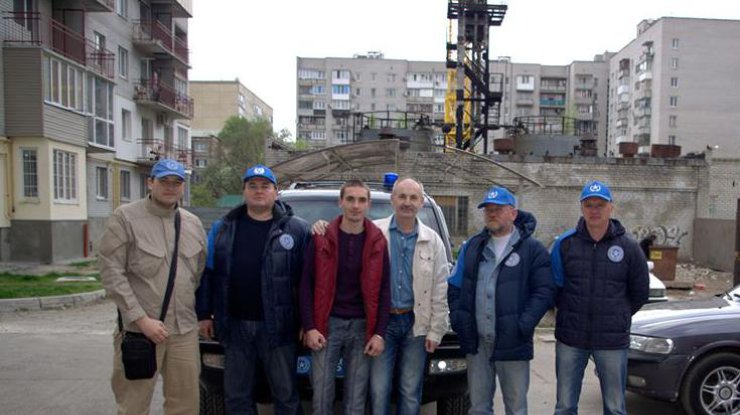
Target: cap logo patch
column 595, row 188
column 171, row 165
column 493, row 195
column 615, row 253
column 287, row 242
column 259, row 170
column 512, row 260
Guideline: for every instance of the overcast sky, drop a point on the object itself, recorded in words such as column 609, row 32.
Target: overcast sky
column 258, row 41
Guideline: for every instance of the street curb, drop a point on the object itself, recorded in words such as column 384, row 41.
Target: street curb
column 45, row 303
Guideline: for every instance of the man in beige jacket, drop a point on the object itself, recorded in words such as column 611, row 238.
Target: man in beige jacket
column 135, row 255
column 419, row 271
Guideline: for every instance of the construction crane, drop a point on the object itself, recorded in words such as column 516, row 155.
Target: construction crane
column 469, row 101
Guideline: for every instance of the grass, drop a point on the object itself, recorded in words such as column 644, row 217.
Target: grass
column 83, row 264
column 21, row 286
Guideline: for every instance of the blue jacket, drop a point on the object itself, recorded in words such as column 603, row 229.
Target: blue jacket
column 600, row 286
column 281, row 270
column 524, row 292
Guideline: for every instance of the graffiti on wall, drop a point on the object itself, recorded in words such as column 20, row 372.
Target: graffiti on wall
column 665, row 235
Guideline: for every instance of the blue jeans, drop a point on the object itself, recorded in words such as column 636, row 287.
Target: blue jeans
column 408, row 351
column 247, row 342
column 513, row 375
column 346, row 339
column 611, row 365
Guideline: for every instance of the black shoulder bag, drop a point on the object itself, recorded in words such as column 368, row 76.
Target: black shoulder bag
column 139, row 354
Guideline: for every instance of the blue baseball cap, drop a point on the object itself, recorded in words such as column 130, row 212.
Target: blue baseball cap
column 498, row 196
column 168, row 167
column 596, row 189
column 259, row 170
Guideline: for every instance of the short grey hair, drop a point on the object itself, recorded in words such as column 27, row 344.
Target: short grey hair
column 421, row 186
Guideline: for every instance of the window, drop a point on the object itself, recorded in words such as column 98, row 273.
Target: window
column 101, row 181
column 674, row 63
column 22, row 8
column 674, row 43
column 182, row 139
column 143, row 188
column 372, row 92
column 319, row 105
column 30, row 173
column 391, row 77
column 674, row 82
column 305, row 105
column 201, row 163
column 340, row 89
column 673, row 101
column 201, row 147
column 65, row 176
column 357, row 92
column 122, row 62
column 125, row 185
column 126, row 125
column 318, row 90
column 122, row 8
column 672, row 119
column 147, row 128
column 65, row 85
column 390, row 92
column 672, row 140
column 102, row 108
column 341, row 136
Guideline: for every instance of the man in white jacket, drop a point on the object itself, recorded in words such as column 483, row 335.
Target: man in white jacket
column 418, row 320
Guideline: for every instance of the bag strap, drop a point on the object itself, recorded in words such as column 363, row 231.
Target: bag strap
column 170, row 278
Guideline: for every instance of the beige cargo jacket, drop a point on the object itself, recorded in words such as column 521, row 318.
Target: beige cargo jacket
column 134, row 257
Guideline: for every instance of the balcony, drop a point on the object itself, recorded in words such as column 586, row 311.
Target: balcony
column 525, row 102
column 162, row 97
column 179, row 8
column 100, row 5
column 623, row 89
column 152, row 37
column 155, row 149
column 645, row 76
column 552, row 88
column 32, row 29
column 552, row 102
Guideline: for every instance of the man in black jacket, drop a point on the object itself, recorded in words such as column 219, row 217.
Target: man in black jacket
column 249, row 288
column 602, row 280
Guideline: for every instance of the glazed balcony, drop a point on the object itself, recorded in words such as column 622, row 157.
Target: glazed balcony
column 155, row 149
column 162, row 97
column 32, row 29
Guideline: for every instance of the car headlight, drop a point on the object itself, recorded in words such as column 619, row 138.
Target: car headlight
column 211, row 360
column 651, row 344
column 447, row 366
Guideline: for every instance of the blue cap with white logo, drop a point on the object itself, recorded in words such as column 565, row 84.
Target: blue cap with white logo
column 596, row 189
column 259, row 171
column 498, row 196
column 168, row 167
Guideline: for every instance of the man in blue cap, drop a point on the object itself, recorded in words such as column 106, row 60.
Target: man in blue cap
column 499, row 290
column 602, row 280
column 248, row 294
column 136, row 252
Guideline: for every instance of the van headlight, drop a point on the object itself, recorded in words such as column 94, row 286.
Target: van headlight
column 447, row 366
column 651, row 344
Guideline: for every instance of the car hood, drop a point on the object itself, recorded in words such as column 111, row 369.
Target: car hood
column 669, row 318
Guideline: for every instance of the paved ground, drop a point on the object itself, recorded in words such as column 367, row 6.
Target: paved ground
column 59, row 362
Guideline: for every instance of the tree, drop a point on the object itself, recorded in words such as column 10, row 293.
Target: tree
column 242, row 145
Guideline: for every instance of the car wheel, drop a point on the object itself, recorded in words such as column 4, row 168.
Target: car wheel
column 712, row 386
column 457, row 405
column 211, row 403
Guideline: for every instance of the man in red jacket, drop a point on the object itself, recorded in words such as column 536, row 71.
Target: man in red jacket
column 345, row 301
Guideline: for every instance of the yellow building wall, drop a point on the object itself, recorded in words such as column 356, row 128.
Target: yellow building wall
column 44, row 207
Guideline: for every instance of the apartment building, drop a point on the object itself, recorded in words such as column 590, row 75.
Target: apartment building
column 673, row 85
column 330, row 89
column 215, row 102
column 95, row 92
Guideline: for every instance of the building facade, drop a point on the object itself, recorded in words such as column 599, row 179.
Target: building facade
column 669, row 87
column 216, row 101
column 329, row 90
column 96, row 91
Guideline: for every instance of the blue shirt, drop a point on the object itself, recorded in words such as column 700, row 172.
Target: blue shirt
column 402, row 263
column 485, row 303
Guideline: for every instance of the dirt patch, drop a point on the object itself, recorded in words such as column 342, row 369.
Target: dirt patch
column 693, row 281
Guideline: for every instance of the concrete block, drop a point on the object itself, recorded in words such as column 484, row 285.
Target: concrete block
column 17, row 304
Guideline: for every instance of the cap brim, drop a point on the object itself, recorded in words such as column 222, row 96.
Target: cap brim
column 259, row 176
column 169, row 173
column 482, row 204
column 608, row 199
